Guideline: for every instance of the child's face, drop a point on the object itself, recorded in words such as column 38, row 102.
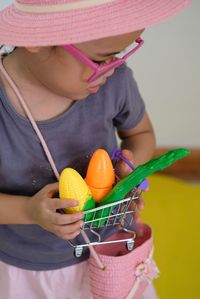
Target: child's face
column 66, row 75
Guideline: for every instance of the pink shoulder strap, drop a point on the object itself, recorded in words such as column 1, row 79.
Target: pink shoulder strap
column 45, row 147
column 31, row 119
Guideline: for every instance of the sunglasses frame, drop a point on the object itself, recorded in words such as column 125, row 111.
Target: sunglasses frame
column 101, row 70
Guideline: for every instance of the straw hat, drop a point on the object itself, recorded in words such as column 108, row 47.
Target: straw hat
column 56, row 22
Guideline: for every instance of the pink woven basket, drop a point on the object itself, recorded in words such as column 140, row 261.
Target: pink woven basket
column 127, row 273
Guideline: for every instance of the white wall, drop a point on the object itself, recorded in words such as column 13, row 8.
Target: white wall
column 4, row 3
column 168, row 73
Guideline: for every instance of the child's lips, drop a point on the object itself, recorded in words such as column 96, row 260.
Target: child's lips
column 94, row 89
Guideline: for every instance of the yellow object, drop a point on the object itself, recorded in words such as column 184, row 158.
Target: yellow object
column 73, row 186
column 100, row 175
column 172, row 209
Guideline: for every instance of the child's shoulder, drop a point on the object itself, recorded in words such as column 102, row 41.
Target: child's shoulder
column 121, row 76
column 121, row 80
column 124, row 69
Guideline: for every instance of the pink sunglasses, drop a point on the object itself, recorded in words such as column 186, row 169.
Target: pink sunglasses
column 101, row 70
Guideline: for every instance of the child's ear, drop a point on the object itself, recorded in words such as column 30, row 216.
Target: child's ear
column 33, row 49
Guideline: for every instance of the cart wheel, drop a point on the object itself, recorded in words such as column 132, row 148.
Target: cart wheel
column 78, row 251
column 130, row 245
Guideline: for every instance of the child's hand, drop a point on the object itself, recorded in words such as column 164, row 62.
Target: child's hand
column 123, row 170
column 42, row 210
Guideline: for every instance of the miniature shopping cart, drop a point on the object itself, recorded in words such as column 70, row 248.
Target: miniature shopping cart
column 120, row 210
column 120, row 213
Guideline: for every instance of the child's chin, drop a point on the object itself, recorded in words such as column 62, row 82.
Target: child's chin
column 83, row 95
column 79, row 96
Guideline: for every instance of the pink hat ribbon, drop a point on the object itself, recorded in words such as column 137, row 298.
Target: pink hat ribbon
column 34, row 8
column 34, row 23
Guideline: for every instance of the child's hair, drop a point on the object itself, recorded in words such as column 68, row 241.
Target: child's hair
column 5, row 50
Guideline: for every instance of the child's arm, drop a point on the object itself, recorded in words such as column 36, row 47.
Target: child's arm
column 138, row 145
column 41, row 209
column 140, row 141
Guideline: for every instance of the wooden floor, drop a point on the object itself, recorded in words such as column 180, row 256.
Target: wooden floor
column 187, row 168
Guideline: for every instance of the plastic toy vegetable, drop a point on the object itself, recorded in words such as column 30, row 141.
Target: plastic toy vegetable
column 137, row 176
column 73, row 186
column 100, row 175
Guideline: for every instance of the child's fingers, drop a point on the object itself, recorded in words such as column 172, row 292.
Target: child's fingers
column 69, row 231
column 51, row 189
column 136, row 217
column 59, row 219
column 140, row 204
column 127, row 154
column 138, row 201
column 71, row 236
column 122, row 168
column 58, row 203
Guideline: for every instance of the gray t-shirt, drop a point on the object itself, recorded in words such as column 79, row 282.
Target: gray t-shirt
column 72, row 138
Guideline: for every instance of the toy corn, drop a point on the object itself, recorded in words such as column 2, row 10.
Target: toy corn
column 100, row 175
column 73, row 186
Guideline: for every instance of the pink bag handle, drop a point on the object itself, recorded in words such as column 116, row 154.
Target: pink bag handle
column 45, row 147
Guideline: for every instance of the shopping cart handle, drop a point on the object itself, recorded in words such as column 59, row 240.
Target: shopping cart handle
column 144, row 185
column 117, row 153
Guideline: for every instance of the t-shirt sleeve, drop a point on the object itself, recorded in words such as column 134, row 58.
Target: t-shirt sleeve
column 130, row 105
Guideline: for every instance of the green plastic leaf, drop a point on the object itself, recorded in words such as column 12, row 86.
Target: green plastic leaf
column 89, row 205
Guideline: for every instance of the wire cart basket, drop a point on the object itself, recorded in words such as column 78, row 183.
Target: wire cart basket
column 119, row 214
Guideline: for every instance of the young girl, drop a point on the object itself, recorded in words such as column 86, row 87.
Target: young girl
column 63, row 94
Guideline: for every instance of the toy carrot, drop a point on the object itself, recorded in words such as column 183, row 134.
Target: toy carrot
column 100, row 175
